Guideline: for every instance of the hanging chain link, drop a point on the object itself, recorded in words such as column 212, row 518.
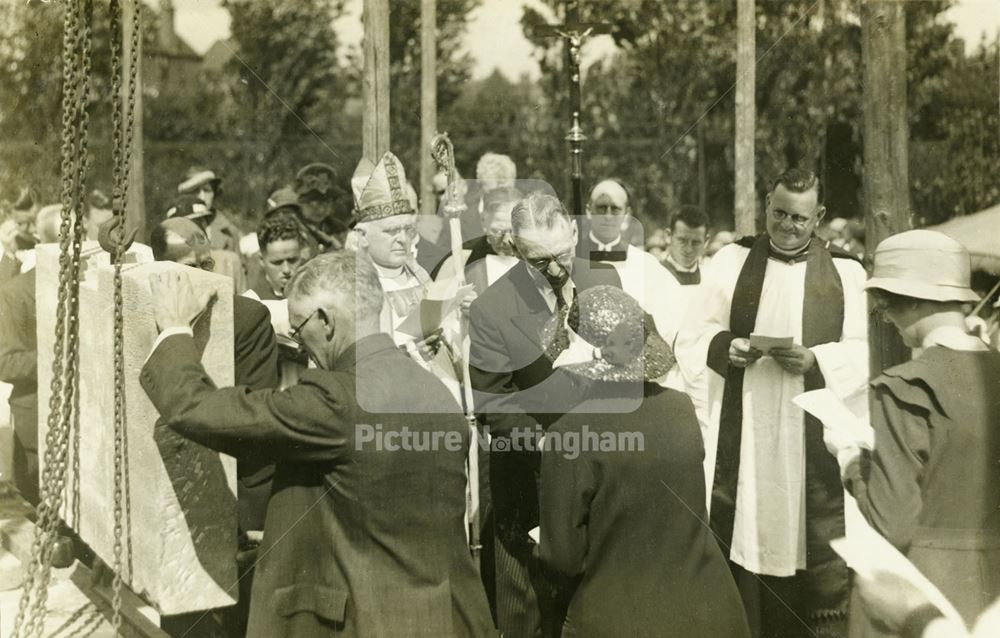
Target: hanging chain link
column 77, row 37
column 64, row 401
column 121, row 160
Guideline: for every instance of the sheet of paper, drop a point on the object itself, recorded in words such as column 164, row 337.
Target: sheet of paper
column 867, row 552
column 835, row 414
column 440, row 300
column 765, row 343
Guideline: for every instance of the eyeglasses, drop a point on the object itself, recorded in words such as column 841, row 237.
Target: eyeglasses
column 295, row 334
column 609, row 210
column 542, row 264
column 797, row 220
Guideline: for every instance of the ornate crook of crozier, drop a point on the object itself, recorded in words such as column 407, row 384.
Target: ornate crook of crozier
column 443, row 154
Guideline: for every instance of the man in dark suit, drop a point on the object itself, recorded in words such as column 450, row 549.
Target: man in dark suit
column 255, row 351
column 361, row 539
column 19, row 360
column 517, row 328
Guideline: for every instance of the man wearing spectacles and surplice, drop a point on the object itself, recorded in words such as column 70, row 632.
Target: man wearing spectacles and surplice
column 776, row 500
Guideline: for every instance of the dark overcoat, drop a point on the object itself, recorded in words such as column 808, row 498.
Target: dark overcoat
column 360, row 540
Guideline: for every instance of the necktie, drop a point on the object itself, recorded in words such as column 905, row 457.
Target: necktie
column 560, row 335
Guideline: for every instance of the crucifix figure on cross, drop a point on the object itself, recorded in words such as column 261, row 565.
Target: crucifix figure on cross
column 575, row 33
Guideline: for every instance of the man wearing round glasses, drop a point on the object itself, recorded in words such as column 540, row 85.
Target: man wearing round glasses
column 514, row 330
column 776, row 498
column 365, row 535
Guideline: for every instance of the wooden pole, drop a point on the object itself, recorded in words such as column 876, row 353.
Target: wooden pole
column 745, row 205
column 135, row 211
column 702, row 174
column 375, row 81
column 428, row 103
column 886, row 144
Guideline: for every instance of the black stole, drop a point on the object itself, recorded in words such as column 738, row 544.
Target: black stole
column 822, row 322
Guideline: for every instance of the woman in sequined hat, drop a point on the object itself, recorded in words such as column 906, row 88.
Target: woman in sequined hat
column 622, row 492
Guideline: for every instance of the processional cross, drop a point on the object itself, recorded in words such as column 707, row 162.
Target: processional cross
column 575, row 33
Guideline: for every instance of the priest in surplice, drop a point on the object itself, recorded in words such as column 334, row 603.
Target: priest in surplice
column 775, row 499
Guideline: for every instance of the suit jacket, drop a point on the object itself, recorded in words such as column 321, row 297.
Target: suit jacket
column 514, row 384
column 254, row 345
column 358, row 541
column 19, row 356
column 256, row 366
column 10, row 267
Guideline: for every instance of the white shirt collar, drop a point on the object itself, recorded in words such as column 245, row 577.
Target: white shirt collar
column 605, row 247
column 546, row 290
column 682, row 268
column 953, row 338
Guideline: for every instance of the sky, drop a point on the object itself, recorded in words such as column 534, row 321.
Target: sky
column 494, row 36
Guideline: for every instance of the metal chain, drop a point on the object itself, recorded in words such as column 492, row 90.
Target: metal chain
column 121, row 160
column 76, row 51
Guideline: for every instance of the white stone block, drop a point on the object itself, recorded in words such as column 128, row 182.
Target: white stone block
column 181, row 527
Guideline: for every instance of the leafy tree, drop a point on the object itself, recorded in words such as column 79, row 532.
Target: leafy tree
column 675, row 70
column 31, row 73
column 284, row 77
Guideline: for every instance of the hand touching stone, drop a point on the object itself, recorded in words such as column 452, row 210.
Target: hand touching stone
column 175, row 302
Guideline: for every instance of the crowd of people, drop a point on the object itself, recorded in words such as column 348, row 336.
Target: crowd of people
column 635, row 463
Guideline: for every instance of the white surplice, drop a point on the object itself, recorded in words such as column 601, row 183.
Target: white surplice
column 769, row 529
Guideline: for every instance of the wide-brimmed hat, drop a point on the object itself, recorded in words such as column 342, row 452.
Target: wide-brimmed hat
column 380, row 189
column 188, row 206
column 611, row 338
column 316, row 179
column 282, row 198
column 923, row 264
column 196, row 178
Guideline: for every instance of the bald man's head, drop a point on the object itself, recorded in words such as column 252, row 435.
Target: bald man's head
column 180, row 240
column 47, row 223
column 607, row 209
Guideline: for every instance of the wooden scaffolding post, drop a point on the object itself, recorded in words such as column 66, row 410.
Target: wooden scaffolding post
column 886, row 143
column 745, row 205
column 428, row 103
column 135, row 210
column 375, row 81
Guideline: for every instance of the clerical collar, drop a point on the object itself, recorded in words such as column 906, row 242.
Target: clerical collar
column 389, row 273
column 602, row 247
column 788, row 256
column 953, row 338
column 679, row 268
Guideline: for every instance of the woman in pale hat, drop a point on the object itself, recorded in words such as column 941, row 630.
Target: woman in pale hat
column 932, row 484
column 204, row 184
column 627, row 522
